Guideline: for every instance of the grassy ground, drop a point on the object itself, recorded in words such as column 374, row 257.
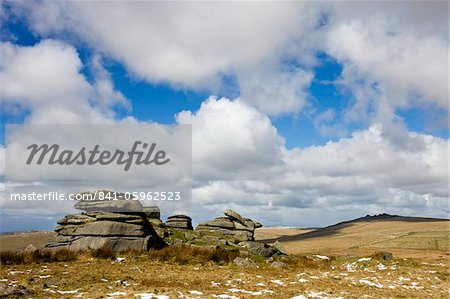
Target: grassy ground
column 139, row 275
column 415, row 239
column 420, row 268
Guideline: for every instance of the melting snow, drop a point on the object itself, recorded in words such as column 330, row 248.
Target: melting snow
column 278, row 282
column 370, row 283
column 364, row 259
column 225, row 296
column 68, row 292
column 194, row 292
column 302, row 280
column 322, row 257
column 152, row 296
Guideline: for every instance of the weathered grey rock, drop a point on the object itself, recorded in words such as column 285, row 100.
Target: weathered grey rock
column 114, row 243
column 221, row 222
column 191, row 236
column 155, row 223
column 235, row 216
column 179, row 222
column 75, row 219
column 245, row 262
column 152, row 212
column 280, row 247
column 103, row 228
column 239, row 226
column 130, row 229
column 277, row 264
column 12, row 290
column 120, row 217
column 30, row 249
column 214, row 240
column 109, row 205
column 262, row 249
column 179, row 216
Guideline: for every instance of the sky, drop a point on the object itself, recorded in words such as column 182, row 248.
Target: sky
column 302, row 113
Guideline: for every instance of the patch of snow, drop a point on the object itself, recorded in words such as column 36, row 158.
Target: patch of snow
column 195, row 292
column 322, row 257
column 225, row 296
column 364, row 259
column 370, row 283
column 68, row 292
column 278, row 282
column 151, row 296
column 116, row 294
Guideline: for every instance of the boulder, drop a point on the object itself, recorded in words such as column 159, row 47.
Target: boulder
column 114, row 243
column 278, row 264
column 179, row 222
column 12, row 290
column 152, row 212
column 103, row 228
column 245, row 262
column 280, row 247
column 115, row 224
column 262, row 249
column 221, row 222
column 234, row 216
column 30, row 249
column 109, row 205
column 232, row 225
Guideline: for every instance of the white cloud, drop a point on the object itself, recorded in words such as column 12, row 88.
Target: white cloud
column 46, row 80
column 375, row 170
column 392, row 58
column 395, row 55
column 193, row 45
column 230, row 138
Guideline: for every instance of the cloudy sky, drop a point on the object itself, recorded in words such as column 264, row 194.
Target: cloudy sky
column 303, row 113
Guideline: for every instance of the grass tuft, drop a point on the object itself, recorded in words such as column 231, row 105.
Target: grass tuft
column 182, row 254
column 38, row 256
column 104, row 253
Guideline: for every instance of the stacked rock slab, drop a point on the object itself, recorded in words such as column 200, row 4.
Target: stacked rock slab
column 153, row 215
column 233, row 225
column 115, row 224
column 182, row 222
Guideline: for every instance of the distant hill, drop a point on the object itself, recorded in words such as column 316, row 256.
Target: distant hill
column 407, row 236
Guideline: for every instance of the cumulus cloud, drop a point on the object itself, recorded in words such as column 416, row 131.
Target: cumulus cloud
column 231, row 139
column 400, row 49
column 192, row 45
column 46, row 80
column 370, row 171
column 395, row 55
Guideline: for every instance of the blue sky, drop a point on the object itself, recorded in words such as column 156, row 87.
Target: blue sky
column 328, row 90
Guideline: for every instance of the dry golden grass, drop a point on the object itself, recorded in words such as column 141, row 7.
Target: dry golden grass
column 88, row 277
column 20, row 240
column 419, row 239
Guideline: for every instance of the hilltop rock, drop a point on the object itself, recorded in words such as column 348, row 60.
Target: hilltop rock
column 179, row 222
column 234, row 216
column 116, row 224
column 152, row 212
column 114, row 205
column 233, row 225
